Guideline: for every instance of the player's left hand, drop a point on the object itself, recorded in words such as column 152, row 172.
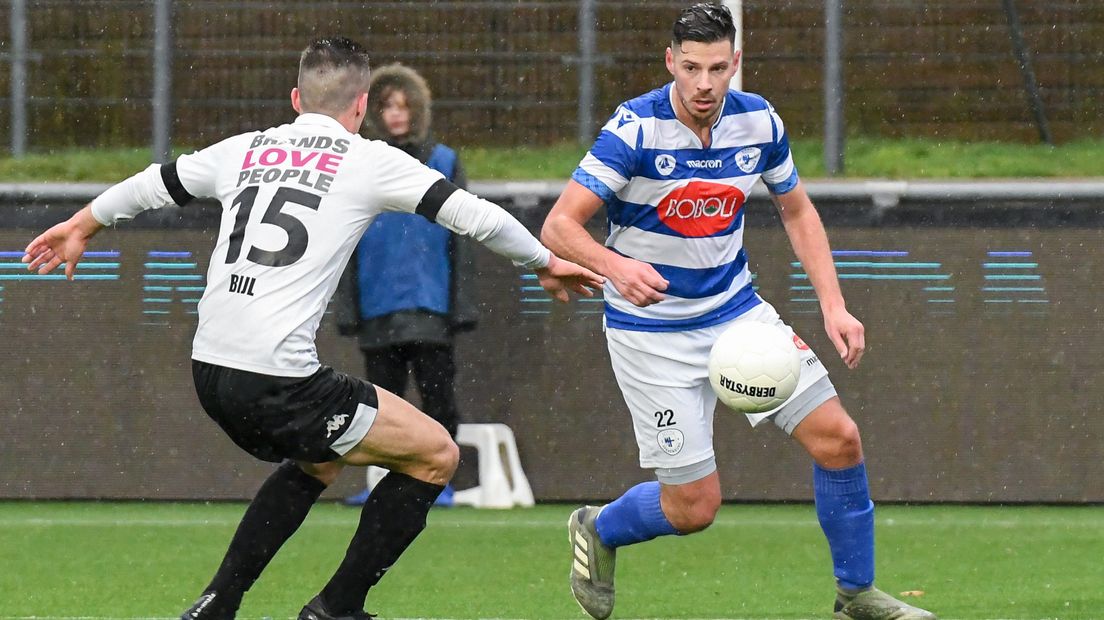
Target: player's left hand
column 62, row 243
column 847, row 334
column 561, row 275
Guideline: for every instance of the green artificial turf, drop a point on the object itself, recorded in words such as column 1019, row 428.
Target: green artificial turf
column 150, row 560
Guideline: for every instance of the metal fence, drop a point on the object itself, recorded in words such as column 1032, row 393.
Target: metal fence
column 519, row 72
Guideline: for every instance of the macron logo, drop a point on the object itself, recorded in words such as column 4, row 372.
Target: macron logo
column 711, row 164
column 625, row 117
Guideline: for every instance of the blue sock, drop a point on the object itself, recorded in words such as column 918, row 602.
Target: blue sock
column 846, row 515
column 634, row 517
column 446, row 496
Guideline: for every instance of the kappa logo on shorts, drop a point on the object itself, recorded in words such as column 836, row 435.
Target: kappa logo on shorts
column 335, row 423
column 670, row 441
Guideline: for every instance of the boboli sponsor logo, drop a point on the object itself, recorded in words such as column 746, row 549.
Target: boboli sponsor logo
column 700, row 208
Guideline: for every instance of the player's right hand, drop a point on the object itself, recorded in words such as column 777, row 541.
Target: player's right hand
column 561, row 275
column 847, row 334
column 62, row 243
column 637, row 281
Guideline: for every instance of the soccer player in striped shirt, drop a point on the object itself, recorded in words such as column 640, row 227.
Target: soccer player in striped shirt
column 673, row 168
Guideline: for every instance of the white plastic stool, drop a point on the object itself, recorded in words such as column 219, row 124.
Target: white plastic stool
column 502, row 483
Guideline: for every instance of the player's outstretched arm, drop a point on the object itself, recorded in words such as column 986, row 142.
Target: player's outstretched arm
column 62, row 243
column 65, row 242
column 491, row 225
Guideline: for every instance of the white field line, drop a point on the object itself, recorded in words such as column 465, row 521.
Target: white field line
column 441, row 523
column 292, row 618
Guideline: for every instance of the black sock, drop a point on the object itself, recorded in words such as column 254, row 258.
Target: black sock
column 278, row 509
column 391, row 519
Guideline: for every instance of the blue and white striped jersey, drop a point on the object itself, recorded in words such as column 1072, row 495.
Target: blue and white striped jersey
column 679, row 206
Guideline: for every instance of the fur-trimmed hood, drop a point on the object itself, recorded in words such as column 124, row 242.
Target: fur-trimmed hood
column 418, row 98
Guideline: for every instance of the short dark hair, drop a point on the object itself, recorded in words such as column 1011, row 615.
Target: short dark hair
column 335, row 51
column 332, row 70
column 704, row 23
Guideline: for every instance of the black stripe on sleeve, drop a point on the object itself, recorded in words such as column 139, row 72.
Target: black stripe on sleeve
column 172, row 183
column 434, row 197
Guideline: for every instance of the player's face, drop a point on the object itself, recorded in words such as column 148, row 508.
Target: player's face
column 702, row 72
column 396, row 114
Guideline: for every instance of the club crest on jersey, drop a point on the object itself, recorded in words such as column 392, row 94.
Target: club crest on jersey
column 665, row 164
column 748, row 158
column 700, row 208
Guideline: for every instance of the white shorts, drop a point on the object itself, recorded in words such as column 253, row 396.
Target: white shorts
column 665, row 381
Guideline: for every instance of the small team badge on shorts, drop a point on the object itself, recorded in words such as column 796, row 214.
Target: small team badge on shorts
column 670, row 441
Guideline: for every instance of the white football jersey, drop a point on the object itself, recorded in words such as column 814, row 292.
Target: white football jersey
column 295, row 201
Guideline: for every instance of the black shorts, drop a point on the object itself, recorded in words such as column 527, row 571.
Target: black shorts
column 317, row 418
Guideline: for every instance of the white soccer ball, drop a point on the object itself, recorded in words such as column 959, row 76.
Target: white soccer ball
column 754, row 367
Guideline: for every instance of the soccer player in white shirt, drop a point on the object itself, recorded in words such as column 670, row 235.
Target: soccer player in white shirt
column 296, row 199
column 673, row 169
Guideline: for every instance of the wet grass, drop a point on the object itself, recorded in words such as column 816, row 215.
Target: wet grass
column 150, row 560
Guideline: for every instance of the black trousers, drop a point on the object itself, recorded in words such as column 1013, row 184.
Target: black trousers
column 434, row 374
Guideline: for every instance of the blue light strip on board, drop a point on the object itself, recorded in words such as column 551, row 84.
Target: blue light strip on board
column 1001, row 277
column 166, row 273
column 876, row 270
column 10, row 269
column 535, row 301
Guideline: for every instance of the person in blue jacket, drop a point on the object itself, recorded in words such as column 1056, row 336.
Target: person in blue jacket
column 405, row 293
